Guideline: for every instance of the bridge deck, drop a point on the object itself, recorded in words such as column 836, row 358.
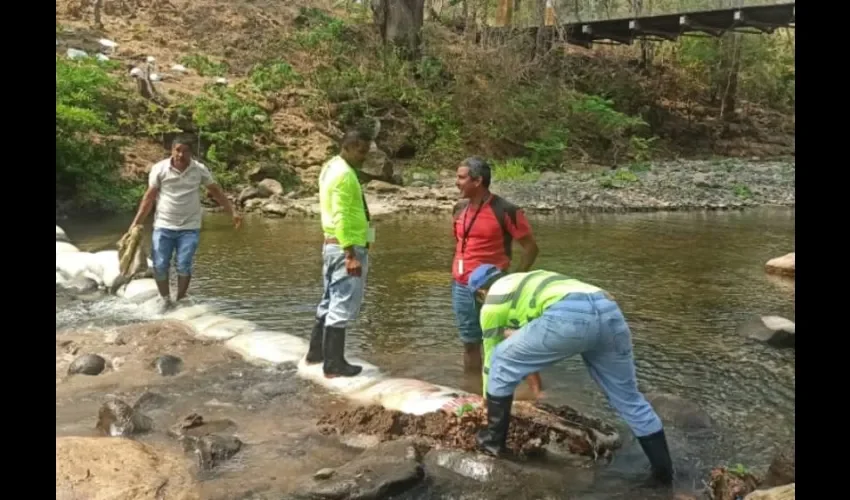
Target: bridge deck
column 664, row 27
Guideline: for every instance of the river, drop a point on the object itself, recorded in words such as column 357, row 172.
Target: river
column 685, row 281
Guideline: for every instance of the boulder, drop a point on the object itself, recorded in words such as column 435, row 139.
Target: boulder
column 786, row 492
column 264, row 171
column 168, row 365
column 775, row 331
column 376, row 166
column 782, row 469
column 99, row 468
column 117, row 418
column 781, row 265
column 379, row 186
column 269, row 187
column 249, row 193
column 275, row 208
column 384, row 471
column 679, row 411
column 87, row 364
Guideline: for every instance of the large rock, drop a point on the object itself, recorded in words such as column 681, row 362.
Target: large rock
column 786, row 492
column 120, row 469
column 384, row 471
column 679, row 411
column 269, row 187
column 118, row 419
column 781, row 265
column 782, row 469
column 772, row 330
column 376, row 166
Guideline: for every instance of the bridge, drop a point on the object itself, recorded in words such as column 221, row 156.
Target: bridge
column 584, row 27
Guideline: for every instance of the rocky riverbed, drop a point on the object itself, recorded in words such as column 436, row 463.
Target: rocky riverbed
column 676, row 185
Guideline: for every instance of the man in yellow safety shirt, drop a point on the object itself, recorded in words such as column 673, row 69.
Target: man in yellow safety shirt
column 345, row 223
column 554, row 317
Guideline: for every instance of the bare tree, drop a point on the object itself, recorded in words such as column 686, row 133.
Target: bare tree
column 400, row 23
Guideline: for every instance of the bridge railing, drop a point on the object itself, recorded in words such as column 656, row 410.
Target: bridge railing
column 574, row 11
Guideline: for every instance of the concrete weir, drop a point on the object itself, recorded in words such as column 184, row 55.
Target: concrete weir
column 370, row 387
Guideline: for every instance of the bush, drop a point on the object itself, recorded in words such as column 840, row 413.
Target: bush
column 88, row 159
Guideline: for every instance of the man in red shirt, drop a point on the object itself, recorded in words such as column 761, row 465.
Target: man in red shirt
column 485, row 226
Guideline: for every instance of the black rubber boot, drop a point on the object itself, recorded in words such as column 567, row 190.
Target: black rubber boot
column 315, row 355
column 493, row 439
column 656, row 450
column 334, row 353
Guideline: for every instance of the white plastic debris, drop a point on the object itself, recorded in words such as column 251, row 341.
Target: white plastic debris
column 76, row 54
column 151, row 59
column 101, row 57
column 221, row 81
column 109, row 44
column 178, row 67
column 57, row 42
column 155, row 77
column 136, row 72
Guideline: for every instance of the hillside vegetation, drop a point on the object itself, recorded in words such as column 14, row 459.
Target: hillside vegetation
column 299, row 72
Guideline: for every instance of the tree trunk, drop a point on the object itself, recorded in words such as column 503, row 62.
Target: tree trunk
column 400, row 23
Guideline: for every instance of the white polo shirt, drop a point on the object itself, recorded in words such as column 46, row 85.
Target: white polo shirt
column 178, row 205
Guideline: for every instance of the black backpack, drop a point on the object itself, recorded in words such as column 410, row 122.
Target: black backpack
column 500, row 207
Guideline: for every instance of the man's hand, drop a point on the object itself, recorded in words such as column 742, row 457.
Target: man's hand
column 352, row 265
column 237, row 221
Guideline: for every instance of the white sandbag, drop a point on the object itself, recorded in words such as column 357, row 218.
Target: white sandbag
column 64, row 246
column 109, row 265
column 206, row 321
column 407, row 395
column 345, row 385
column 185, row 313
column 139, row 291
column 269, row 347
column 74, row 264
column 225, row 329
column 60, row 235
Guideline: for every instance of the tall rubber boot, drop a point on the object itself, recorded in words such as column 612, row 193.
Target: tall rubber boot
column 315, row 354
column 493, row 439
column 334, row 353
column 656, row 450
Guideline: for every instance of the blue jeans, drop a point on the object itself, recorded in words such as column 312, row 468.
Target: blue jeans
column 342, row 294
column 589, row 324
column 167, row 242
column 467, row 312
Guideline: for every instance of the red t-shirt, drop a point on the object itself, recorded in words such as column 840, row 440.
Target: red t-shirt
column 485, row 243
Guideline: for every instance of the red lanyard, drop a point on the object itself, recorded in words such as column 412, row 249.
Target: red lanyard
column 467, row 229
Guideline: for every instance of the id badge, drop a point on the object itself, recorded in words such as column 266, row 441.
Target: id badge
column 460, row 266
column 370, row 235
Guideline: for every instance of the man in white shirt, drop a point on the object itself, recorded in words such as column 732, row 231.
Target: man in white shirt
column 174, row 186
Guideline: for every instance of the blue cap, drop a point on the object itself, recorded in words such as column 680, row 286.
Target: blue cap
column 481, row 275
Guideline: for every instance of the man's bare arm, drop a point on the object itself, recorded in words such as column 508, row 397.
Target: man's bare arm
column 146, row 205
column 221, row 198
column 529, row 253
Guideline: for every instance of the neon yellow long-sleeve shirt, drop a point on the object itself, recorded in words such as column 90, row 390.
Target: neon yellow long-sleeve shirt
column 341, row 202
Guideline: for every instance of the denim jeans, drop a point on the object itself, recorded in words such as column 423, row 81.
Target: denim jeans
column 342, row 294
column 167, row 242
column 467, row 314
column 588, row 324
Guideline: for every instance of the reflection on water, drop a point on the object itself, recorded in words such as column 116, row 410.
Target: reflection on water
column 685, row 281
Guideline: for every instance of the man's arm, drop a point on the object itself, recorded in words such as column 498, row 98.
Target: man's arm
column 342, row 197
column 149, row 198
column 218, row 195
column 522, row 233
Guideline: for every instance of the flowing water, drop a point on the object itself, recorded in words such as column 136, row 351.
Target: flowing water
column 685, row 281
